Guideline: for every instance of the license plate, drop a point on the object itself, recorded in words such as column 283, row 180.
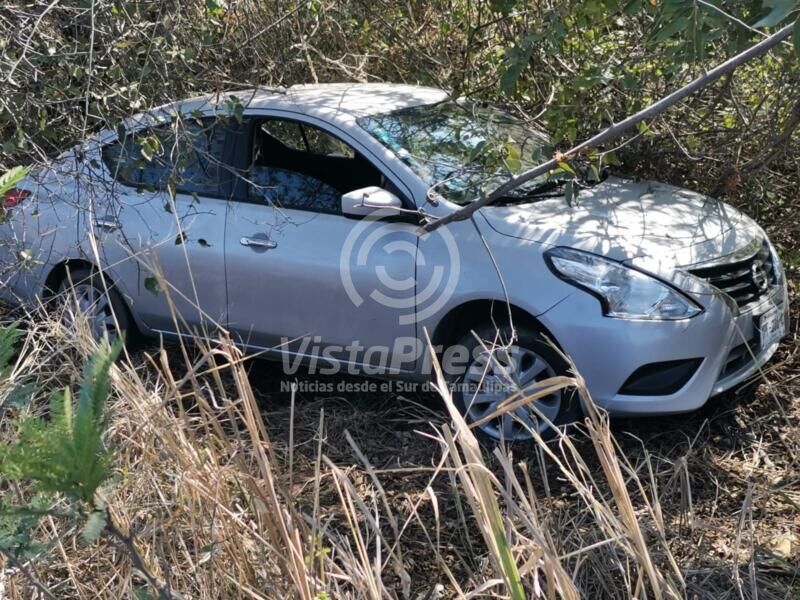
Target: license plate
column 771, row 326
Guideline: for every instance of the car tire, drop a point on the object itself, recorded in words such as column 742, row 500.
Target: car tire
column 480, row 388
column 96, row 297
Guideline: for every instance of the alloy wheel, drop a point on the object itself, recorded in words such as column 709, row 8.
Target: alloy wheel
column 500, row 373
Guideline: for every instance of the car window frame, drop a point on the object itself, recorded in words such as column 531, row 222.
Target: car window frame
column 256, row 123
column 242, row 165
column 225, row 189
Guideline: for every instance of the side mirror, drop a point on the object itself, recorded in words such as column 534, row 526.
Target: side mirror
column 369, row 200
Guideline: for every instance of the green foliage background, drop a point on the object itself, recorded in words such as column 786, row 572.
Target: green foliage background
column 70, row 67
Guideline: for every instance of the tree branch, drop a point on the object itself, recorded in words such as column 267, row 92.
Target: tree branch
column 614, row 131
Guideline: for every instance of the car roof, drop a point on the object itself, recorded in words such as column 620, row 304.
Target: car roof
column 326, row 99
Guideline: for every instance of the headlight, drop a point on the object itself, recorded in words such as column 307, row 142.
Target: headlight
column 624, row 292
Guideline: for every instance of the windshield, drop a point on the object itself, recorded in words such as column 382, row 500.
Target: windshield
column 464, row 150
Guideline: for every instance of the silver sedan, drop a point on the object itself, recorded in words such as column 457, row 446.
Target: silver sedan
column 290, row 218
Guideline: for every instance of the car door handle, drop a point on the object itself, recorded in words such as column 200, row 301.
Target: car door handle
column 109, row 224
column 258, row 243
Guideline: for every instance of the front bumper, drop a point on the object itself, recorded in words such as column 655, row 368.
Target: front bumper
column 607, row 351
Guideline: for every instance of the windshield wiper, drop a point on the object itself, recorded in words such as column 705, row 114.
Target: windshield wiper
column 541, row 190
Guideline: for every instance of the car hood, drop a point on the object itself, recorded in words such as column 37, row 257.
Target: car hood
column 643, row 222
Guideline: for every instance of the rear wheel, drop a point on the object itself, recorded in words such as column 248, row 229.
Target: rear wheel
column 98, row 301
column 496, row 370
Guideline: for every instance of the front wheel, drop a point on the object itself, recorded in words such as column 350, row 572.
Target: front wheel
column 497, row 370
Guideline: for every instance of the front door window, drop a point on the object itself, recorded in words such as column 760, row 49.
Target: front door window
column 299, row 166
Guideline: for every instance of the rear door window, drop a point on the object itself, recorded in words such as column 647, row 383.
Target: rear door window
column 187, row 156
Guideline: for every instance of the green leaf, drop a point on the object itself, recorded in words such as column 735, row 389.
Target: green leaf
column 234, row 108
column 632, row 7
column 729, row 121
column 96, row 384
column 94, row 526
column 207, row 553
column 90, row 461
column 503, row 6
column 150, row 147
column 566, row 168
column 508, row 565
column 61, row 410
column 18, row 525
column 476, row 150
column 780, row 10
column 517, row 59
column 8, row 339
column 612, row 159
column 65, row 453
column 513, row 161
column 11, row 178
column 677, row 25
column 215, row 8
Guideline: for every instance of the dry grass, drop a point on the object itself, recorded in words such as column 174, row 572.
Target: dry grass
column 234, row 490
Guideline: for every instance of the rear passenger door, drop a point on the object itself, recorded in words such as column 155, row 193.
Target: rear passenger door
column 163, row 214
column 288, row 247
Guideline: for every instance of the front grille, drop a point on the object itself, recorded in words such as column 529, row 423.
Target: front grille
column 744, row 280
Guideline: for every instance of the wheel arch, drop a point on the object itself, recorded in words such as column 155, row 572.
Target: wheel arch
column 59, row 272
column 469, row 315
